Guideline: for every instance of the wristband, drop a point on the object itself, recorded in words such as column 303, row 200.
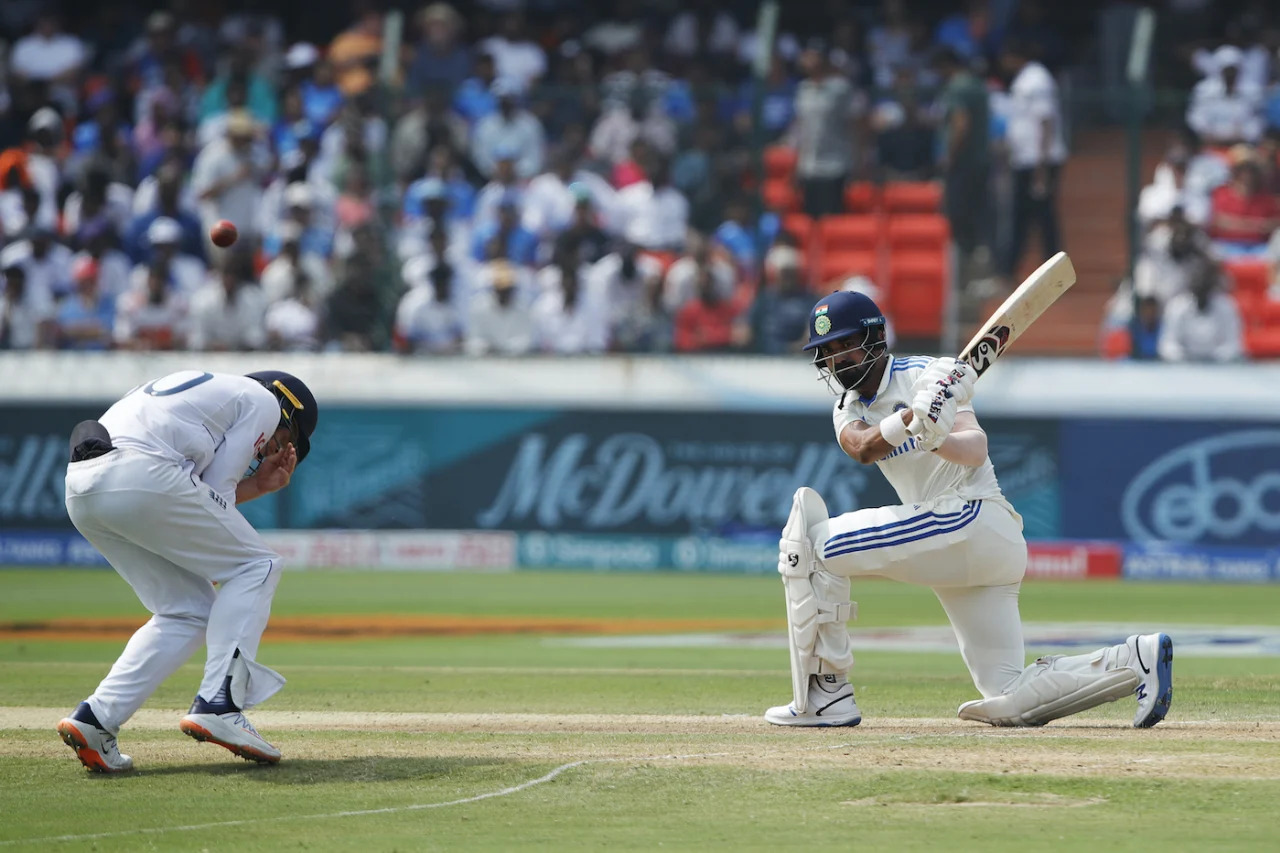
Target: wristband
column 894, row 430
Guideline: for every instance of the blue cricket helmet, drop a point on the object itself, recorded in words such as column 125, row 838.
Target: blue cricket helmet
column 298, row 409
column 842, row 314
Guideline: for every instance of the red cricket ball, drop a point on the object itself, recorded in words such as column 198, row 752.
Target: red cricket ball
column 223, row 233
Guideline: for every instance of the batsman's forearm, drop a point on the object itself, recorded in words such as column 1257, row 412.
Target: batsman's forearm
column 967, row 447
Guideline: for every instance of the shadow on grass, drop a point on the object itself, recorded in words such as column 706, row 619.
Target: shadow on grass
column 318, row 771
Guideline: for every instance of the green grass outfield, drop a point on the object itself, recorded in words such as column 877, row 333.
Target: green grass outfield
column 500, row 741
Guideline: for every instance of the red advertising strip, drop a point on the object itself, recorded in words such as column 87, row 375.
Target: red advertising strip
column 1074, row 560
column 417, row 550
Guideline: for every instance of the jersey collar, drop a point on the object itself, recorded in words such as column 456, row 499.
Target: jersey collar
column 884, row 383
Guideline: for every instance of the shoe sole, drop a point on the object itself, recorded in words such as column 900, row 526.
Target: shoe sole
column 1164, row 684
column 815, row 724
column 200, row 733
column 89, row 757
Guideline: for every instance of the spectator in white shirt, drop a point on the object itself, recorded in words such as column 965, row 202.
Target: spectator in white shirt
column 293, row 321
column 655, row 215
column 227, row 177
column 1202, row 324
column 48, row 263
column 515, row 55
column 632, row 285
column 427, row 318
column 1223, row 110
column 1169, row 190
column 510, row 128
column 113, row 265
column 682, row 278
column 294, row 262
column 44, row 136
column 551, row 198
column 228, row 310
column 99, row 199
column 26, row 316
column 49, row 55
column 151, row 315
column 185, row 272
column 1036, row 151
column 499, row 321
column 571, row 314
column 622, row 122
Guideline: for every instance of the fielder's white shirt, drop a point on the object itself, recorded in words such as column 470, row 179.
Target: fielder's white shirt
column 1033, row 97
column 916, row 475
column 211, row 424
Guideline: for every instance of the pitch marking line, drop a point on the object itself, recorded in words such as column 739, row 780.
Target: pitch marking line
column 489, row 795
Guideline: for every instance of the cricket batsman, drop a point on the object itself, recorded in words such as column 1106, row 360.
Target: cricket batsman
column 953, row 532
column 154, row 485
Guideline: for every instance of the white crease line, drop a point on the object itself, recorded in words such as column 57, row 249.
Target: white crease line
column 515, row 789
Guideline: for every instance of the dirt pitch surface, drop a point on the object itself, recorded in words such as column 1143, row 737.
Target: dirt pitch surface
column 1225, row 750
column 338, row 627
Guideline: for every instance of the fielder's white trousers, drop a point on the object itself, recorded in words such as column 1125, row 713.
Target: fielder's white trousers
column 171, row 537
column 970, row 552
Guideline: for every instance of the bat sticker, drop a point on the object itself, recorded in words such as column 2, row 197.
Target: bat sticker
column 988, row 349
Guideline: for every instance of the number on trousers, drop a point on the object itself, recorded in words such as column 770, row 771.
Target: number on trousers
column 150, row 387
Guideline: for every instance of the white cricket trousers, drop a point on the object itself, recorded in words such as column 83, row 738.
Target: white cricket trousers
column 172, row 537
column 970, row 552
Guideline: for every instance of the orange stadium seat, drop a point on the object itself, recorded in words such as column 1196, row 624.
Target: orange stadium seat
column 780, row 196
column 861, row 197
column 800, row 226
column 779, row 162
column 1117, row 343
column 918, row 231
column 917, row 290
column 912, row 197
column 850, row 231
column 1263, row 343
column 843, row 264
column 1250, row 275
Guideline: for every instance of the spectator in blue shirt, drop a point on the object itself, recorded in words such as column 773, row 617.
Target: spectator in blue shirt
column 473, row 100
column 321, row 97
column 439, row 60
column 85, row 317
column 736, row 233
column 168, row 203
column 520, row 244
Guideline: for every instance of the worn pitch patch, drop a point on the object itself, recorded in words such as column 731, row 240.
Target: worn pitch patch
column 1206, row 641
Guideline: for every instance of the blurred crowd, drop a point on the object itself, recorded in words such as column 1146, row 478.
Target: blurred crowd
column 558, row 177
column 1212, row 209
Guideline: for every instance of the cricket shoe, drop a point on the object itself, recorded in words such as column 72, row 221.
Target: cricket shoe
column 830, row 704
column 1154, row 654
column 230, row 730
column 94, row 746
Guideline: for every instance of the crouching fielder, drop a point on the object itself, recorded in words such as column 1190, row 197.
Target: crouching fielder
column 953, row 532
column 154, row 487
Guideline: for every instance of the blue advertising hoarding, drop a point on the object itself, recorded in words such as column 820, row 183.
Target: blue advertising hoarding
column 696, row 476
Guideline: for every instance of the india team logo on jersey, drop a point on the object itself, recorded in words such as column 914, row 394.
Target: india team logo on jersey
column 821, row 322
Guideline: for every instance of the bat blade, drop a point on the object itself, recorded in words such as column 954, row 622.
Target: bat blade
column 1016, row 314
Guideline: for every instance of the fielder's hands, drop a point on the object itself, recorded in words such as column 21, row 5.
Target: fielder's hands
column 933, row 414
column 956, row 375
column 276, row 470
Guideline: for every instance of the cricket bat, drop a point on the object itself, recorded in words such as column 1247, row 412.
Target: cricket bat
column 1023, row 307
column 1032, row 298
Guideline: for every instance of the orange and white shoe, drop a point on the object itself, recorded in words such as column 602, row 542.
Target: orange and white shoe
column 230, row 730
column 95, row 747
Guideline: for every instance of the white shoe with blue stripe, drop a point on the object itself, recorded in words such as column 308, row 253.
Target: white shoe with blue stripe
column 831, row 703
column 1154, row 656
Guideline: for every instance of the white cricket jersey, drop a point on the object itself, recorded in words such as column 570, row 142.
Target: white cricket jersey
column 213, row 425
column 916, row 475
